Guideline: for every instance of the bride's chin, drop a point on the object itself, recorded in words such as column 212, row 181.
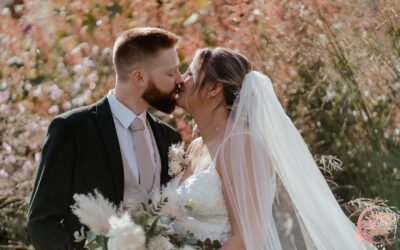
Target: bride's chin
column 180, row 102
column 180, row 105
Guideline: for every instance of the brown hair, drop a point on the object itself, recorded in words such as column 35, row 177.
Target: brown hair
column 221, row 65
column 137, row 45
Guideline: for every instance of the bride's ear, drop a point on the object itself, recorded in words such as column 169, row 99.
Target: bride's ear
column 214, row 89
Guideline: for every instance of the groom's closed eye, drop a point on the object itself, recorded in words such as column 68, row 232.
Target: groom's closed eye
column 172, row 72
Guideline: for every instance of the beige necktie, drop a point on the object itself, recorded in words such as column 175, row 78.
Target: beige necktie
column 143, row 156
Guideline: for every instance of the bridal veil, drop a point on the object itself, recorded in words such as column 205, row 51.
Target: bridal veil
column 278, row 195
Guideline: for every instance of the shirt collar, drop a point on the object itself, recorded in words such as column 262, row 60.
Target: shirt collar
column 123, row 114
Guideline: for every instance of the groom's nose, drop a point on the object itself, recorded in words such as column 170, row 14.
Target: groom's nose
column 179, row 79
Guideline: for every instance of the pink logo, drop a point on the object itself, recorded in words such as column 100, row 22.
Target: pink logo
column 377, row 225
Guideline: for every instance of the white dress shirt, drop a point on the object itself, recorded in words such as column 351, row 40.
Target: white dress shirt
column 123, row 117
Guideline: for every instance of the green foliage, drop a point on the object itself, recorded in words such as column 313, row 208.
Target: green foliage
column 91, row 240
column 114, row 8
column 91, row 22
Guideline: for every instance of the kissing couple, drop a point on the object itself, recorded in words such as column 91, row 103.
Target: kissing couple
column 250, row 176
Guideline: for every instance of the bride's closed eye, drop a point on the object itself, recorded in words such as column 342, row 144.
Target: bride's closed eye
column 188, row 74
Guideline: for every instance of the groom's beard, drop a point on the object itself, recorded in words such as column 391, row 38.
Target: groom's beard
column 164, row 102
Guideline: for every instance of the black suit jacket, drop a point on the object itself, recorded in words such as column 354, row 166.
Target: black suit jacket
column 81, row 154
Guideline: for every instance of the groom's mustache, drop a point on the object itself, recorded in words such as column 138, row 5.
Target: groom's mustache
column 178, row 89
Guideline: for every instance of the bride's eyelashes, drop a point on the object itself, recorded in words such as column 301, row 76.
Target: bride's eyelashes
column 188, row 73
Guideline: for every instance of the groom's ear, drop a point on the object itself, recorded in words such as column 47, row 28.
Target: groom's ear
column 138, row 78
column 214, row 89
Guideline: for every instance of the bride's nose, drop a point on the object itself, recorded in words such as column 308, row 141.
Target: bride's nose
column 185, row 76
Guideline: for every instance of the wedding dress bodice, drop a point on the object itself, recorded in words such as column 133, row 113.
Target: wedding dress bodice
column 200, row 205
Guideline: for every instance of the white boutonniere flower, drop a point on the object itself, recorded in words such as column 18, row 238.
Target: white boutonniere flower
column 176, row 159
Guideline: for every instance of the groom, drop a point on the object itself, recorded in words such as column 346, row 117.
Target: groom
column 115, row 145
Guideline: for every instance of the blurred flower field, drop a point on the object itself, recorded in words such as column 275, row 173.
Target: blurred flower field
column 335, row 66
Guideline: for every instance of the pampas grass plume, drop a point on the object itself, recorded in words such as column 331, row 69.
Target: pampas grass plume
column 94, row 211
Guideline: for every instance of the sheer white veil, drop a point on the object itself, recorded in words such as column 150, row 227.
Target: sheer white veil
column 277, row 193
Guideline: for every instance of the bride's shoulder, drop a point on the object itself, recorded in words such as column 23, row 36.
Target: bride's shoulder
column 196, row 143
column 197, row 140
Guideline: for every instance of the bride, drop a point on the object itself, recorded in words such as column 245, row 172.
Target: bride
column 251, row 182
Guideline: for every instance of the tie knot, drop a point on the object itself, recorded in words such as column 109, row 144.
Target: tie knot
column 136, row 125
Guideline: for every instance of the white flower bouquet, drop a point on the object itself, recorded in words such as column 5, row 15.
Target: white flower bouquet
column 111, row 228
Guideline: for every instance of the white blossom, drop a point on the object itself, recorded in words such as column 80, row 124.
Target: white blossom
column 176, row 159
column 160, row 243
column 174, row 168
column 187, row 247
column 3, row 173
column 124, row 234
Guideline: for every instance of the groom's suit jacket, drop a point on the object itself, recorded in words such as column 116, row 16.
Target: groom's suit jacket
column 82, row 153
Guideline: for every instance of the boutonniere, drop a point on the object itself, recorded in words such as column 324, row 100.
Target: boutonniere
column 176, row 159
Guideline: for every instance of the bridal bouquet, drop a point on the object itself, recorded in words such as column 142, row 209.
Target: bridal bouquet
column 153, row 228
column 112, row 228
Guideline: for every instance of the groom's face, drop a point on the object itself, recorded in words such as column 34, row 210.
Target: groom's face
column 163, row 85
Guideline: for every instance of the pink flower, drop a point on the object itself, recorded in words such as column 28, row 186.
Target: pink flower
column 27, row 168
column 21, row 108
column 3, row 173
column 66, row 105
column 44, row 123
column 4, row 95
column 24, row 135
column 32, row 126
column 55, row 92
column 93, row 77
column 53, row 110
column 25, row 27
column 6, row 108
column 7, row 147
column 37, row 156
column 33, row 146
column 10, row 159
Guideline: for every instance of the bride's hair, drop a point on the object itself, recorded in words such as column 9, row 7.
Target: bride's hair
column 221, row 65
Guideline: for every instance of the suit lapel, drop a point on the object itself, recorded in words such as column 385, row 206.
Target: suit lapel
column 162, row 146
column 105, row 123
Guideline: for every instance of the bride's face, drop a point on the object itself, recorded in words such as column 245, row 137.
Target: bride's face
column 191, row 99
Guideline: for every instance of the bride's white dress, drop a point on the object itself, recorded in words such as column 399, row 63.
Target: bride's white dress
column 200, row 205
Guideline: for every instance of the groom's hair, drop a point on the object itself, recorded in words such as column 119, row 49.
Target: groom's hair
column 134, row 47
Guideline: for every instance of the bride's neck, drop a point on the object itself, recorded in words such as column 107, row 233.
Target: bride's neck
column 212, row 123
